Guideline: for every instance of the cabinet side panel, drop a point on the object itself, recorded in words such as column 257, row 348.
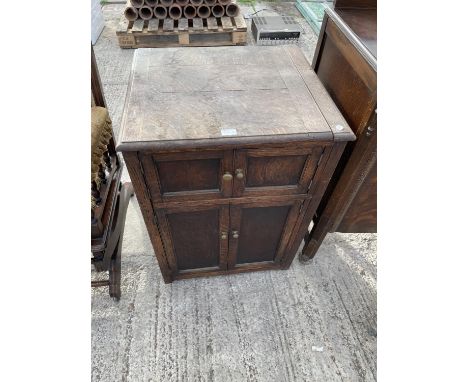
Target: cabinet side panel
column 195, row 238
column 362, row 213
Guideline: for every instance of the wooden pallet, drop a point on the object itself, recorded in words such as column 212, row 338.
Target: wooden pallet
column 156, row 33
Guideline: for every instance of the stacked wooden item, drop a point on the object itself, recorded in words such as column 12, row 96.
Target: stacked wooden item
column 177, row 9
column 165, row 23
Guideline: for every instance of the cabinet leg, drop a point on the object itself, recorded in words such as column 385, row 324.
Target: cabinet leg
column 314, row 240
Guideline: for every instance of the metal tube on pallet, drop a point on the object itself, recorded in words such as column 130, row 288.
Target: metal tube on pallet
column 175, row 11
column 131, row 13
column 151, row 3
column 217, row 10
column 160, row 12
column 182, row 3
column 210, row 2
column 146, row 13
column 137, row 3
column 203, row 11
column 166, row 3
column 232, row 10
column 224, row 2
column 196, row 2
column 190, row 11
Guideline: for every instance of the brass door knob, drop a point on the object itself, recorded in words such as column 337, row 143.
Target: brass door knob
column 239, row 173
column 235, row 234
column 223, row 235
column 227, row 176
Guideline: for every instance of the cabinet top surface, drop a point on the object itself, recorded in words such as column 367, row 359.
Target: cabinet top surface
column 213, row 94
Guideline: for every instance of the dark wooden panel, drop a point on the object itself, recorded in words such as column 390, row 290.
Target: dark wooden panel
column 362, row 213
column 363, row 23
column 195, row 238
column 353, row 100
column 355, row 4
column 189, row 175
column 274, row 171
column 260, row 233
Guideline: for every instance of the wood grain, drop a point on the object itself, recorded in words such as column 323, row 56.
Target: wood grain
column 213, row 93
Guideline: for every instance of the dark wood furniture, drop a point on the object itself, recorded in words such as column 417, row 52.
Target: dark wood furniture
column 109, row 202
column 345, row 61
column 229, row 151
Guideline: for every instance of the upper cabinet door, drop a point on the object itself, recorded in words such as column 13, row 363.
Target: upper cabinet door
column 275, row 171
column 188, row 175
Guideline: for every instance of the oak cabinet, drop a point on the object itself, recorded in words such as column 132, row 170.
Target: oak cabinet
column 228, row 169
column 345, row 61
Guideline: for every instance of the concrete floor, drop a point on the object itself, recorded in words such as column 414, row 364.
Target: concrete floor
column 314, row 322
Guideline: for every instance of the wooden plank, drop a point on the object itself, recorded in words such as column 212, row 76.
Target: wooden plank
column 184, row 39
column 240, row 22
column 212, row 23
column 183, row 26
column 239, row 37
column 197, row 24
column 168, row 25
column 153, row 25
column 126, row 41
column 226, row 22
column 138, row 26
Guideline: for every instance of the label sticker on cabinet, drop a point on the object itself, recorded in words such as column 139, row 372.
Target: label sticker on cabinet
column 228, row 132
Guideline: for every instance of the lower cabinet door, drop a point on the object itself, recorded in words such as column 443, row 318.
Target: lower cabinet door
column 259, row 233
column 195, row 238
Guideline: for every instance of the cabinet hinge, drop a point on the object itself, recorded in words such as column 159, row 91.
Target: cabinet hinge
column 155, row 220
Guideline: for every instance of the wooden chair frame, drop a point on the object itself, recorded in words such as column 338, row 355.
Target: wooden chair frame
column 113, row 199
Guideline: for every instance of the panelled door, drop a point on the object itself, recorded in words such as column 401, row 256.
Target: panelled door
column 222, row 237
column 195, row 238
column 188, row 175
column 274, row 171
column 260, row 231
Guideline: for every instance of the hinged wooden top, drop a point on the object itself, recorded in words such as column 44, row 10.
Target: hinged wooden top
column 209, row 96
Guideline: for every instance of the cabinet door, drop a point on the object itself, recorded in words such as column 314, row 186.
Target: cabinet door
column 195, row 238
column 188, row 175
column 260, row 232
column 275, row 171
